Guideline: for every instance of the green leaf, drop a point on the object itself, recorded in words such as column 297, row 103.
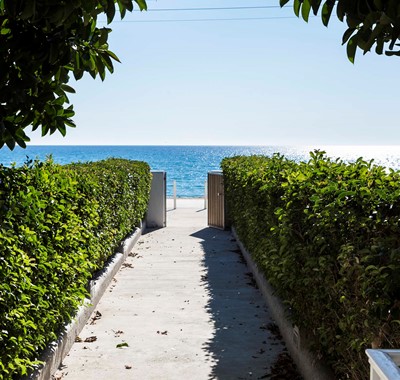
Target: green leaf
column 315, row 4
column 100, row 67
column 70, row 123
column 327, row 12
column 107, row 61
column 129, row 5
column 62, row 130
column 340, row 10
column 21, row 143
column 347, row 34
column 45, row 129
column 113, row 56
column 351, row 48
column 110, row 11
column 69, row 112
column 67, row 88
column 142, row 5
column 121, row 345
column 10, row 143
column 296, row 7
column 282, row 3
column 305, row 10
column 122, row 9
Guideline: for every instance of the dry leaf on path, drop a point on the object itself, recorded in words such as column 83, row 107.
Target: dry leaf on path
column 96, row 317
column 90, row 339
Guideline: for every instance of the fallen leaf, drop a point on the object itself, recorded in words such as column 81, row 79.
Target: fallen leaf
column 96, row 317
column 90, row 339
column 118, row 333
column 121, row 345
column 127, row 366
column 78, row 339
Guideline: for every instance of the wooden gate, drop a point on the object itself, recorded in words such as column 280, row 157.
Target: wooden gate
column 216, row 200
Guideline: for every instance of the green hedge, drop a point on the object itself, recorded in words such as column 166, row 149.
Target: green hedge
column 58, row 226
column 326, row 234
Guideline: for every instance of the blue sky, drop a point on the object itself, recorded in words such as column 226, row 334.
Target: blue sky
column 275, row 81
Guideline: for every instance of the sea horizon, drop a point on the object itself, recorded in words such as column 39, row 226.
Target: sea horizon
column 188, row 165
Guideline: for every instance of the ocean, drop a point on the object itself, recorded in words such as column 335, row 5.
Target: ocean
column 189, row 165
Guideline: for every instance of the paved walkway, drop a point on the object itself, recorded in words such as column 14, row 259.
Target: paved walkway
column 183, row 306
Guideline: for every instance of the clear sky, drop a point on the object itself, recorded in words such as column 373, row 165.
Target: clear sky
column 268, row 79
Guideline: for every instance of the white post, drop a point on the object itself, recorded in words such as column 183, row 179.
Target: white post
column 384, row 364
column 174, row 191
column 205, row 194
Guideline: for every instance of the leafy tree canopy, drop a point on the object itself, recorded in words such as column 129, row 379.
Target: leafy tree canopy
column 43, row 42
column 371, row 23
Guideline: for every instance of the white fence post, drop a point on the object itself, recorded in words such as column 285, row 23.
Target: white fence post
column 384, row 364
column 174, row 192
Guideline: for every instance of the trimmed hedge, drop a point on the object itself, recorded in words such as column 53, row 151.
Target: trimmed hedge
column 326, row 235
column 58, row 226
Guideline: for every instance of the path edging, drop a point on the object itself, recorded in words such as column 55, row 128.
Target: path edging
column 56, row 351
column 309, row 366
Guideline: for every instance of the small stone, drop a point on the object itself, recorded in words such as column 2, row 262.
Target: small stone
column 58, row 375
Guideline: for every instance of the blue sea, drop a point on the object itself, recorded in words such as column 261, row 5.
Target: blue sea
column 189, row 165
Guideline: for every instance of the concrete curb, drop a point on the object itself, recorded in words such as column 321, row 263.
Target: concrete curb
column 309, row 366
column 56, row 351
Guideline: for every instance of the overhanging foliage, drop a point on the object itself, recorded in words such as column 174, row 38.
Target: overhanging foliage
column 371, row 23
column 41, row 44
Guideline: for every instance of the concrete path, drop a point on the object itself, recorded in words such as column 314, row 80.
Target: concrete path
column 183, row 306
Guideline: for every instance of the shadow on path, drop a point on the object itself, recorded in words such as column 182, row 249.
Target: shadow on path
column 242, row 347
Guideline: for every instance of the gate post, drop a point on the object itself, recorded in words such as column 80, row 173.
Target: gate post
column 157, row 209
column 216, row 200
